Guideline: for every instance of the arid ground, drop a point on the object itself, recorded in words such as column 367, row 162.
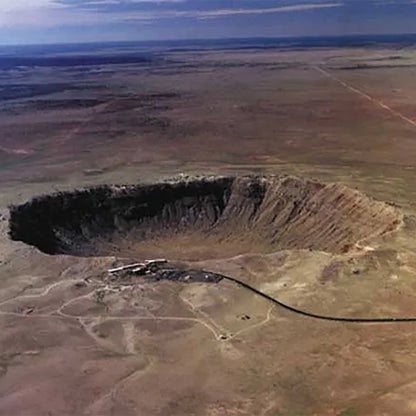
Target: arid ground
column 73, row 342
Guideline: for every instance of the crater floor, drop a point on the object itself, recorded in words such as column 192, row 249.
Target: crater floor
column 202, row 218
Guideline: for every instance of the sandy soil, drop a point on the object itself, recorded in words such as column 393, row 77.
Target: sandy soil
column 73, row 345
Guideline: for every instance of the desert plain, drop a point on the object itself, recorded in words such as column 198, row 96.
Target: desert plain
column 74, row 342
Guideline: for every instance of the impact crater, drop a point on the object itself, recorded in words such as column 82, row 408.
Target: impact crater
column 201, row 218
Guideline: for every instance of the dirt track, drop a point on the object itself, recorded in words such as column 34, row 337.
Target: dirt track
column 367, row 97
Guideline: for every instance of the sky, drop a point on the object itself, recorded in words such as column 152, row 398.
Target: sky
column 57, row 21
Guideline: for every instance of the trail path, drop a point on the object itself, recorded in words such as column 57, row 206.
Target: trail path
column 60, row 313
column 363, row 94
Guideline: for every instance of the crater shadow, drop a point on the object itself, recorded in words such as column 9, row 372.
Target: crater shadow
column 201, row 218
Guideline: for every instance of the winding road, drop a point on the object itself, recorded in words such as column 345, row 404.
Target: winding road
column 315, row 315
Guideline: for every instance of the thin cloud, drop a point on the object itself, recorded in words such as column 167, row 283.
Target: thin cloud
column 99, row 3
column 282, row 9
column 51, row 13
column 210, row 14
column 17, row 5
column 126, row 2
column 156, row 1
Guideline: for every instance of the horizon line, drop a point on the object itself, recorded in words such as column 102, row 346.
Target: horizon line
column 285, row 37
